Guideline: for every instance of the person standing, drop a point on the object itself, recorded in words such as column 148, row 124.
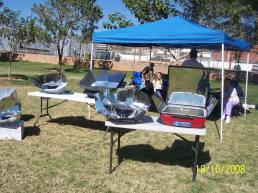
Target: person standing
column 147, row 85
column 192, row 62
column 149, row 70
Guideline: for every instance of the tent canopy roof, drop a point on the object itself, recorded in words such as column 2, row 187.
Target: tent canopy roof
column 174, row 32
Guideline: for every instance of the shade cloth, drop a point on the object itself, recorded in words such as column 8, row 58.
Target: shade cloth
column 172, row 32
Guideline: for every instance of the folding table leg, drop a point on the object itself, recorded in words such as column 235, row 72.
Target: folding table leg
column 111, row 144
column 89, row 115
column 197, row 137
column 118, row 148
column 47, row 109
column 111, row 151
column 40, row 114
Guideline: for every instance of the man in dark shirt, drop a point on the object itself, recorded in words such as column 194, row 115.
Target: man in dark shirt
column 192, row 62
column 148, row 70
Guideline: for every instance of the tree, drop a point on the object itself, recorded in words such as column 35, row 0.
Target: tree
column 14, row 33
column 242, row 20
column 239, row 18
column 235, row 17
column 60, row 20
column 117, row 20
column 151, row 10
column 198, row 10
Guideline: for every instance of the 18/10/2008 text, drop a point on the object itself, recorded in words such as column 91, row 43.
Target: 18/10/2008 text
column 222, row 169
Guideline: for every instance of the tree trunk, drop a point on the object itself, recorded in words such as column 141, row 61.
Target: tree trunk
column 60, row 57
column 80, row 55
column 10, row 66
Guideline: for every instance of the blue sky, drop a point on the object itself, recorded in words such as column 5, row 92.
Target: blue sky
column 108, row 6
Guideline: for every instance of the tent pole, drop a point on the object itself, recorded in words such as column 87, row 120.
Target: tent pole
column 246, row 81
column 91, row 56
column 150, row 53
column 222, row 92
column 150, row 62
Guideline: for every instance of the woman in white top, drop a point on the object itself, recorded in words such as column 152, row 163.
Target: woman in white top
column 157, row 82
column 231, row 99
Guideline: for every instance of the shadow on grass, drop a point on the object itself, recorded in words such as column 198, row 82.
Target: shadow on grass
column 27, row 117
column 180, row 153
column 31, row 131
column 53, row 69
column 17, row 76
column 76, row 70
column 80, row 121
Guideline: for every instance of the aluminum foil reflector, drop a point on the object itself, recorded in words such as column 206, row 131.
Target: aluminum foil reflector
column 188, row 99
column 51, row 83
column 98, row 81
column 10, row 108
column 123, row 104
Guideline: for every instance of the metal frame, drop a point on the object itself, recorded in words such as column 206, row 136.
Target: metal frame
column 246, row 82
column 47, row 107
column 222, row 91
column 112, row 142
column 91, row 56
column 40, row 114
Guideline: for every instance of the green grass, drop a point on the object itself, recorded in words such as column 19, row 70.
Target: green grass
column 70, row 153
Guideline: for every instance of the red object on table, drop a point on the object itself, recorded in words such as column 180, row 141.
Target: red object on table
column 195, row 122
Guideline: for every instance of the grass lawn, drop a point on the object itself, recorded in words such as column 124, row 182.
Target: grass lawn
column 71, row 153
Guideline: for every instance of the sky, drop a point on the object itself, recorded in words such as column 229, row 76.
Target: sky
column 108, row 6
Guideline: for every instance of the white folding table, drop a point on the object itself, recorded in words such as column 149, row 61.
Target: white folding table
column 68, row 96
column 151, row 124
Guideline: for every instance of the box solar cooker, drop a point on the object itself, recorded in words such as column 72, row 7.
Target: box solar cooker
column 183, row 109
column 189, row 102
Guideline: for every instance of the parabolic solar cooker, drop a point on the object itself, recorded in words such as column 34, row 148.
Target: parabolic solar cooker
column 10, row 108
column 51, row 83
column 97, row 81
column 122, row 104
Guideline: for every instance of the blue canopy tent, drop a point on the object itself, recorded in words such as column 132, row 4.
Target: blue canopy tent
column 174, row 32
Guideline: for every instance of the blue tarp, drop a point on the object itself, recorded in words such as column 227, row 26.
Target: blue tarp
column 172, row 32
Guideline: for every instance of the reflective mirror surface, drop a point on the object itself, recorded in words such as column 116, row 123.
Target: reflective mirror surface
column 183, row 103
column 10, row 108
column 186, row 98
column 96, row 81
column 51, row 83
column 182, row 79
column 123, row 104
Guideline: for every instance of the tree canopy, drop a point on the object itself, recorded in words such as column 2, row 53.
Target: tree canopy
column 14, row 32
column 151, row 10
column 60, row 20
column 239, row 18
column 117, row 20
